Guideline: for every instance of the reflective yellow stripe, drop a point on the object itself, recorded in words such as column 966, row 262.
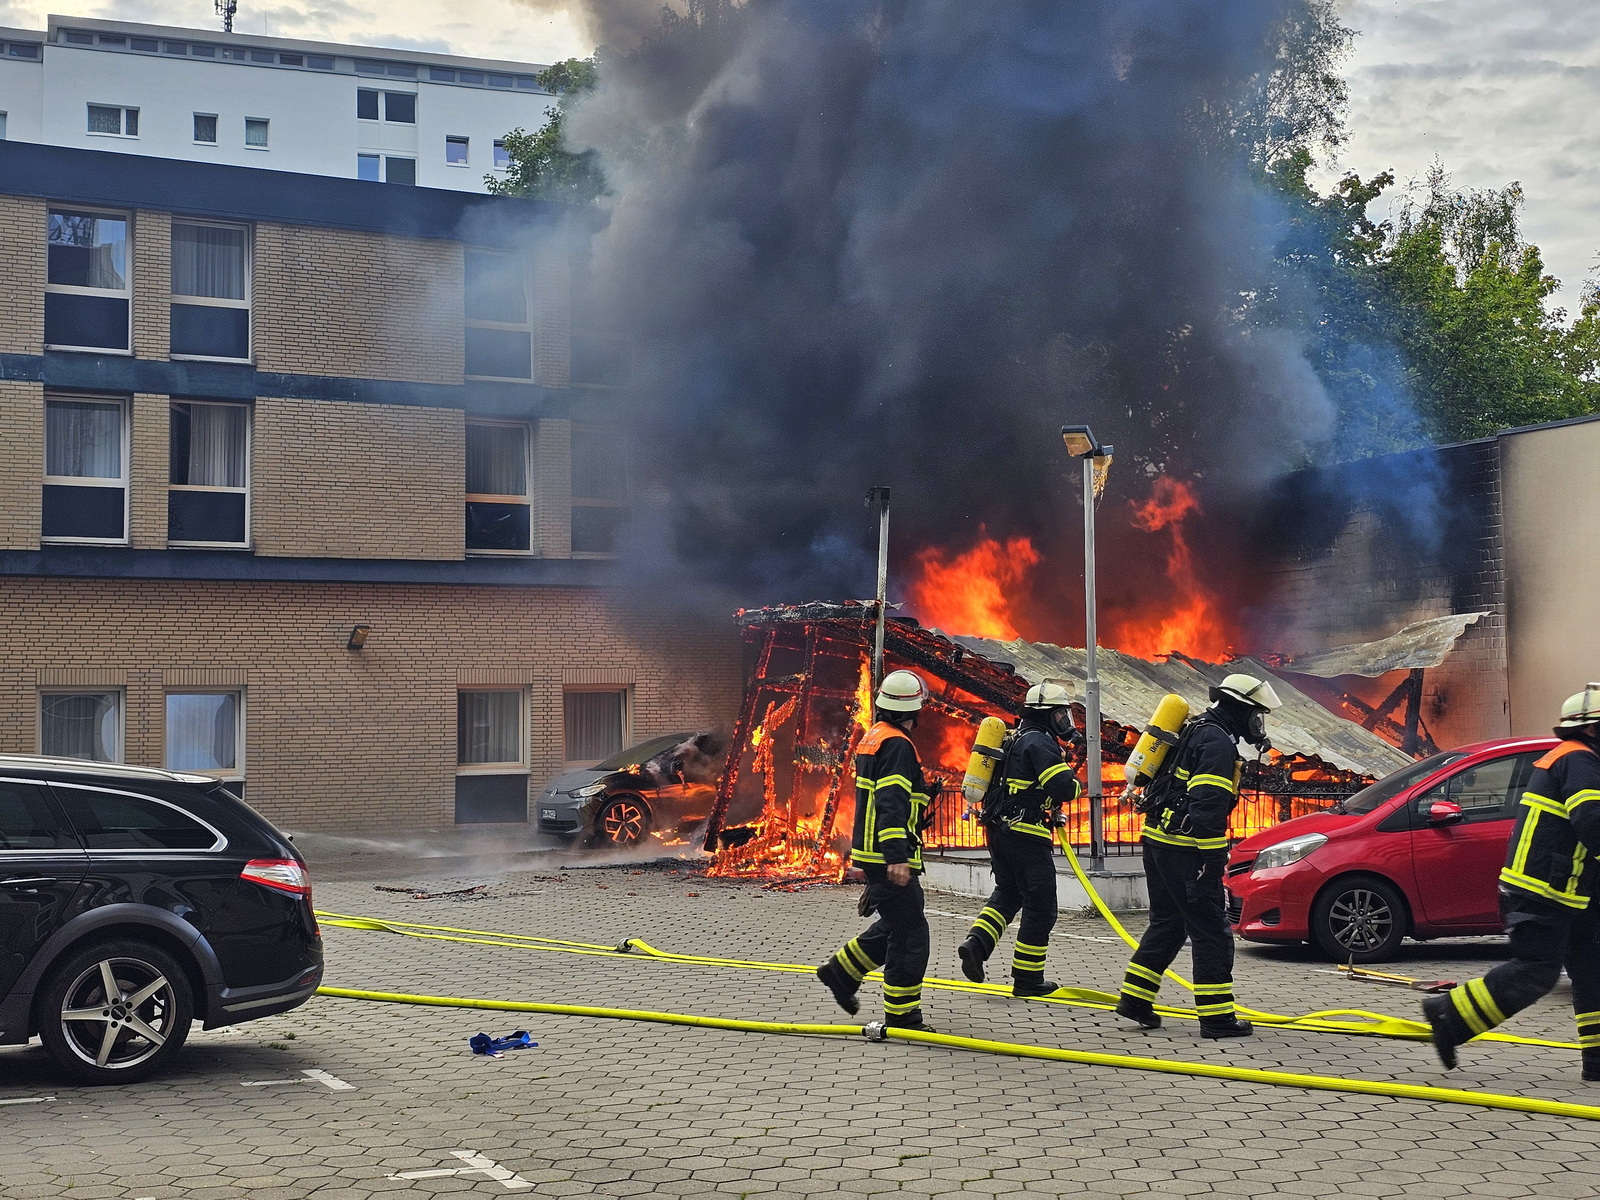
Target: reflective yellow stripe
column 1178, row 839
column 889, row 781
column 1583, row 797
column 1049, row 773
column 1544, row 804
column 1220, row 781
column 1467, row 1012
column 1213, row 989
column 1144, row 973
column 1181, row 772
column 1035, row 830
column 1221, row 1009
column 886, row 835
column 1139, row 993
column 1586, row 1018
column 1538, row 887
column 1480, row 995
column 866, row 856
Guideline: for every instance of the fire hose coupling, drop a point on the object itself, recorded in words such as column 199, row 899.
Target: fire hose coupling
column 875, row 1031
column 626, row 947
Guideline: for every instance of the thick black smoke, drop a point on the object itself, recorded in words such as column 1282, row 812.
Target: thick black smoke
column 901, row 242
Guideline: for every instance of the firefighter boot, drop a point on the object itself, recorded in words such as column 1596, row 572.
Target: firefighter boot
column 972, row 955
column 1591, row 1066
column 1031, row 983
column 1141, row 1012
column 1438, row 1012
column 841, row 985
column 1227, row 1027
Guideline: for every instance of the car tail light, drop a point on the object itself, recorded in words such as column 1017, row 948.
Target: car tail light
column 279, row 874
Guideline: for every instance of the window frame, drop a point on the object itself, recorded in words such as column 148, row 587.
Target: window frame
column 377, row 160
column 215, row 122
column 237, row 773
column 616, row 689
column 94, row 481
column 265, row 121
column 490, row 498
column 217, row 302
column 72, row 289
column 465, row 142
column 122, row 120
column 494, row 158
column 74, row 851
column 574, row 501
column 121, row 708
column 249, row 450
column 521, row 766
column 526, row 275
column 220, row 843
column 410, row 158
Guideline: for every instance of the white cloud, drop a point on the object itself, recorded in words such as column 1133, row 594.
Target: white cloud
column 1500, row 92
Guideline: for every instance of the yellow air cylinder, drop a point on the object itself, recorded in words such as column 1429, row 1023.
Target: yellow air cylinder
column 985, row 757
column 1158, row 736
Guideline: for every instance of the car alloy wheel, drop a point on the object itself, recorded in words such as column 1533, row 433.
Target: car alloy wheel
column 115, row 1012
column 1360, row 920
column 623, row 822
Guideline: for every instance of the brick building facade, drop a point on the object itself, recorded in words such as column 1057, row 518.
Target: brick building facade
column 242, row 416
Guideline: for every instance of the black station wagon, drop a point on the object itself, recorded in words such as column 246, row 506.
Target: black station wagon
column 134, row 901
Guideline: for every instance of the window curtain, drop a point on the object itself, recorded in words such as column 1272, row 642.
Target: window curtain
column 489, row 727
column 208, row 261
column 217, row 445
column 83, row 440
column 203, row 731
column 497, row 460
column 594, row 725
column 80, row 726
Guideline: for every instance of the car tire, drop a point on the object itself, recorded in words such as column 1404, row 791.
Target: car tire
column 127, row 1037
column 622, row 822
column 1361, row 919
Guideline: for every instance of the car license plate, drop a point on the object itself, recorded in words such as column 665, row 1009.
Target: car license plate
column 549, row 814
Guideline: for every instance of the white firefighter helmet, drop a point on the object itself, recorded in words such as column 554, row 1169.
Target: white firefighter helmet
column 1247, row 689
column 902, row 691
column 1047, row 695
column 1581, row 709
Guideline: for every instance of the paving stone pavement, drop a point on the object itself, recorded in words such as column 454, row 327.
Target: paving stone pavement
column 613, row 1108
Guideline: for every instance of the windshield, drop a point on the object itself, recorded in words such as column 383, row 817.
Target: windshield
column 633, row 756
column 1390, row 786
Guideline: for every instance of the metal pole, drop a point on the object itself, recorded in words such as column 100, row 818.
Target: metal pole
column 1091, row 689
column 883, row 585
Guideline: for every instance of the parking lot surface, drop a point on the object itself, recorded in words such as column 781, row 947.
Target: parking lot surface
column 346, row 1098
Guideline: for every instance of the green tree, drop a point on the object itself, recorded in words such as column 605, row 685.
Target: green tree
column 542, row 167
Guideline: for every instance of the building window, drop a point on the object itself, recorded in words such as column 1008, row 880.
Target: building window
column 112, row 121
column 291, row 60
column 366, row 104
column 85, row 471
column 455, row 151
column 86, row 285
column 210, row 290
column 489, row 730
column 255, row 133
column 399, row 108
column 209, row 472
column 599, row 490
column 2, row 126
column 502, row 156
column 205, row 128
column 399, row 170
column 205, row 733
column 319, row 62
column 369, row 167
column 498, row 500
column 595, row 723
column 81, row 725
column 499, row 337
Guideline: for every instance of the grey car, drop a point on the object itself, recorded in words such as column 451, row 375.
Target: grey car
column 666, row 785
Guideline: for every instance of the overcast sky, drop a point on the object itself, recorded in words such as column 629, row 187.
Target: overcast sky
column 1498, row 90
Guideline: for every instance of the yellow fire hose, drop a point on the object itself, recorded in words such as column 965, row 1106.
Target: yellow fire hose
column 1329, row 1083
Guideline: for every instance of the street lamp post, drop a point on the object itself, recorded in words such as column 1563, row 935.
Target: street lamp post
column 1081, row 443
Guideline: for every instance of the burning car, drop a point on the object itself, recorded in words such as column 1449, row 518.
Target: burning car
column 667, row 785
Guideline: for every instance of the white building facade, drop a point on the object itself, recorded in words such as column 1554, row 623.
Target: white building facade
column 404, row 117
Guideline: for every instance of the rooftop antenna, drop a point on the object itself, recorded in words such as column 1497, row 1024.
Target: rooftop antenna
column 225, row 10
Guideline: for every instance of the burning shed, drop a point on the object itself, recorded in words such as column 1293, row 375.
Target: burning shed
column 785, row 804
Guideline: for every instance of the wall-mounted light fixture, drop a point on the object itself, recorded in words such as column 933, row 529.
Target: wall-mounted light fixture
column 358, row 637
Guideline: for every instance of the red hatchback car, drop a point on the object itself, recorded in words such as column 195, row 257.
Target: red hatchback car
column 1417, row 854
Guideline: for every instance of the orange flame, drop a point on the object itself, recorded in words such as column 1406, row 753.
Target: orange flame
column 967, row 593
column 1189, row 623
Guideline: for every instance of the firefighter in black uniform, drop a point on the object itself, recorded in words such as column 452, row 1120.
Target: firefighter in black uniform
column 891, row 813
column 1037, row 781
column 1185, row 846
column 1547, row 890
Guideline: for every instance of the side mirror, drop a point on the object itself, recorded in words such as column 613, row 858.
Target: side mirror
column 1444, row 812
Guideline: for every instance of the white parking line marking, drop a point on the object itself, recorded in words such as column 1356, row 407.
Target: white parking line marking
column 332, row 1082
column 269, row 1082
column 29, row 1100
column 477, row 1164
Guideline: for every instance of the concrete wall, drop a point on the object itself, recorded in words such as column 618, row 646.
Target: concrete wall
column 1551, row 560
column 342, row 739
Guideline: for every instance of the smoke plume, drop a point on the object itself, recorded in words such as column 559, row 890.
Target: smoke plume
column 901, row 242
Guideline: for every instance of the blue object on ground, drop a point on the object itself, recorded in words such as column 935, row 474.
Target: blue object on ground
column 482, row 1043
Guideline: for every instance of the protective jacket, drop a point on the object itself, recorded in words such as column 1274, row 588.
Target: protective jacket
column 1557, row 835
column 1036, row 777
column 1205, row 783
column 891, row 799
